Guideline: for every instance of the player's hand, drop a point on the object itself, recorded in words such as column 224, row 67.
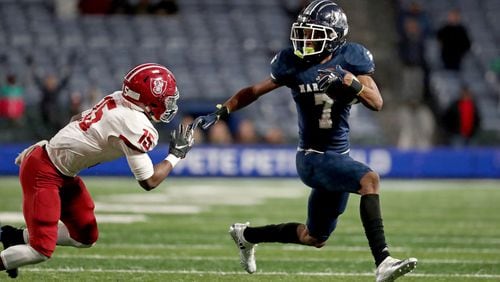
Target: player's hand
column 181, row 141
column 208, row 120
column 327, row 78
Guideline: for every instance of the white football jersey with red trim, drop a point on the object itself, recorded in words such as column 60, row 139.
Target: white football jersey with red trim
column 112, row 128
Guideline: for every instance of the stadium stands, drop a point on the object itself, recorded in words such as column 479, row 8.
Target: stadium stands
column 214, row 47
column 482, row 20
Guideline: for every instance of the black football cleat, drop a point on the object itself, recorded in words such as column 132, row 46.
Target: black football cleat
column 11, row 236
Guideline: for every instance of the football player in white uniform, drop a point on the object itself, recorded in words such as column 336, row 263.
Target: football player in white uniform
column 57, row 207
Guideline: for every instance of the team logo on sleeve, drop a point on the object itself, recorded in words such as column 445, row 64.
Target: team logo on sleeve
column 158, row 86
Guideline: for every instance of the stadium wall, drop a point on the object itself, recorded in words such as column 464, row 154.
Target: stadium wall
column 265, row 161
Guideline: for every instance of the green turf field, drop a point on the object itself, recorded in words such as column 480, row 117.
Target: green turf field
column 179, row 232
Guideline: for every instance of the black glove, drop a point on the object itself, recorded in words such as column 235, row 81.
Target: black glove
column 329, row 77
column 208, row 120
column 181, row 141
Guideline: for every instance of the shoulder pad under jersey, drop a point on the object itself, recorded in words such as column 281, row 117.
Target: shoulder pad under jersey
column 283, row 65
column 138, row 133
column 358, row 59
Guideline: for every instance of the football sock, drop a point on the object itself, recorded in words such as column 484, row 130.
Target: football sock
column 13, row 235
column 281, row 233
column 371, row 217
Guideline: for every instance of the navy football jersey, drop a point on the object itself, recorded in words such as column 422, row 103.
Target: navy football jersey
column 323, row 122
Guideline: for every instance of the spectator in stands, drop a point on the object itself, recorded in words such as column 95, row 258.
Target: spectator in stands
column 416, row 126
column 51, row 86
column 411, row 51
column 246, row 132
column 220, row 134
column 454, row 40
column 66, row 9
column 79, row 101
column 165, row 7
column 274, row 136
column 416, row 12
column 141, row 7
column 12, row 100
column 414, row 28
column 93, row 96
column 97, row 7
column 415, row 117
column 198, row 134
column 493, row 77
column 462, row 119
column 75, row 103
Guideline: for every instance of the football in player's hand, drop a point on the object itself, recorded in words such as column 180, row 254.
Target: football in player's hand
column 342, row 94
column 330, row 81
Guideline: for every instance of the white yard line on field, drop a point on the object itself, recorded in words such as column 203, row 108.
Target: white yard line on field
column 280, row 273
column 101, row 218
column 233, row 258
column 186, row 199
column 332, row 248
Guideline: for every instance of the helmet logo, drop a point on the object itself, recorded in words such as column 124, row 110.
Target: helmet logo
column 158, row 86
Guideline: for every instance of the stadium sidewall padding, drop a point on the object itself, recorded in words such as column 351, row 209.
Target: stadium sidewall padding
column 279, row 161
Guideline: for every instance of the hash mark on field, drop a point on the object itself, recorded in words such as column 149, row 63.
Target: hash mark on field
column 273, row 273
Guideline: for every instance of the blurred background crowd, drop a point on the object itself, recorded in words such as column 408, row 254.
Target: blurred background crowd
column 437, row 65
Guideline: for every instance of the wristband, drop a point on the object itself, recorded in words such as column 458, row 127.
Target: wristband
column 356, row 87
column 222, row 112
column 173, row 160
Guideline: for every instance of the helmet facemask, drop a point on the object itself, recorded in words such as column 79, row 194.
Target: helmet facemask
column 165, row 111
column 321, row 28
column 311, row 39
column 170, row 107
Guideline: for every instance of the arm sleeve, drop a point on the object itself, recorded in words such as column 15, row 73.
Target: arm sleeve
column 140, row 163
column 141, row 166
column 137, row 137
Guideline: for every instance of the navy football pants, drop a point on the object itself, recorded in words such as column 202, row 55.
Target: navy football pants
column 332, row 177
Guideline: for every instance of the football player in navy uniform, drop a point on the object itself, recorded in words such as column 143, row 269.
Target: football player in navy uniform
column 326, row 75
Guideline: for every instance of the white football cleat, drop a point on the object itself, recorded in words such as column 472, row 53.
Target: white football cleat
column 247, row 249
column 391, row 269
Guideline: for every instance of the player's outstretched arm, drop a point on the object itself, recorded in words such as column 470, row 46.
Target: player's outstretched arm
column 241, row 99
column 181, row 141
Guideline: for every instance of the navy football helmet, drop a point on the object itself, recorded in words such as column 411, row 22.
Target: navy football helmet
column 320, row 29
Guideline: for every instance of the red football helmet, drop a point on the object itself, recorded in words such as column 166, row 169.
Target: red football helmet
column 152, row 87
